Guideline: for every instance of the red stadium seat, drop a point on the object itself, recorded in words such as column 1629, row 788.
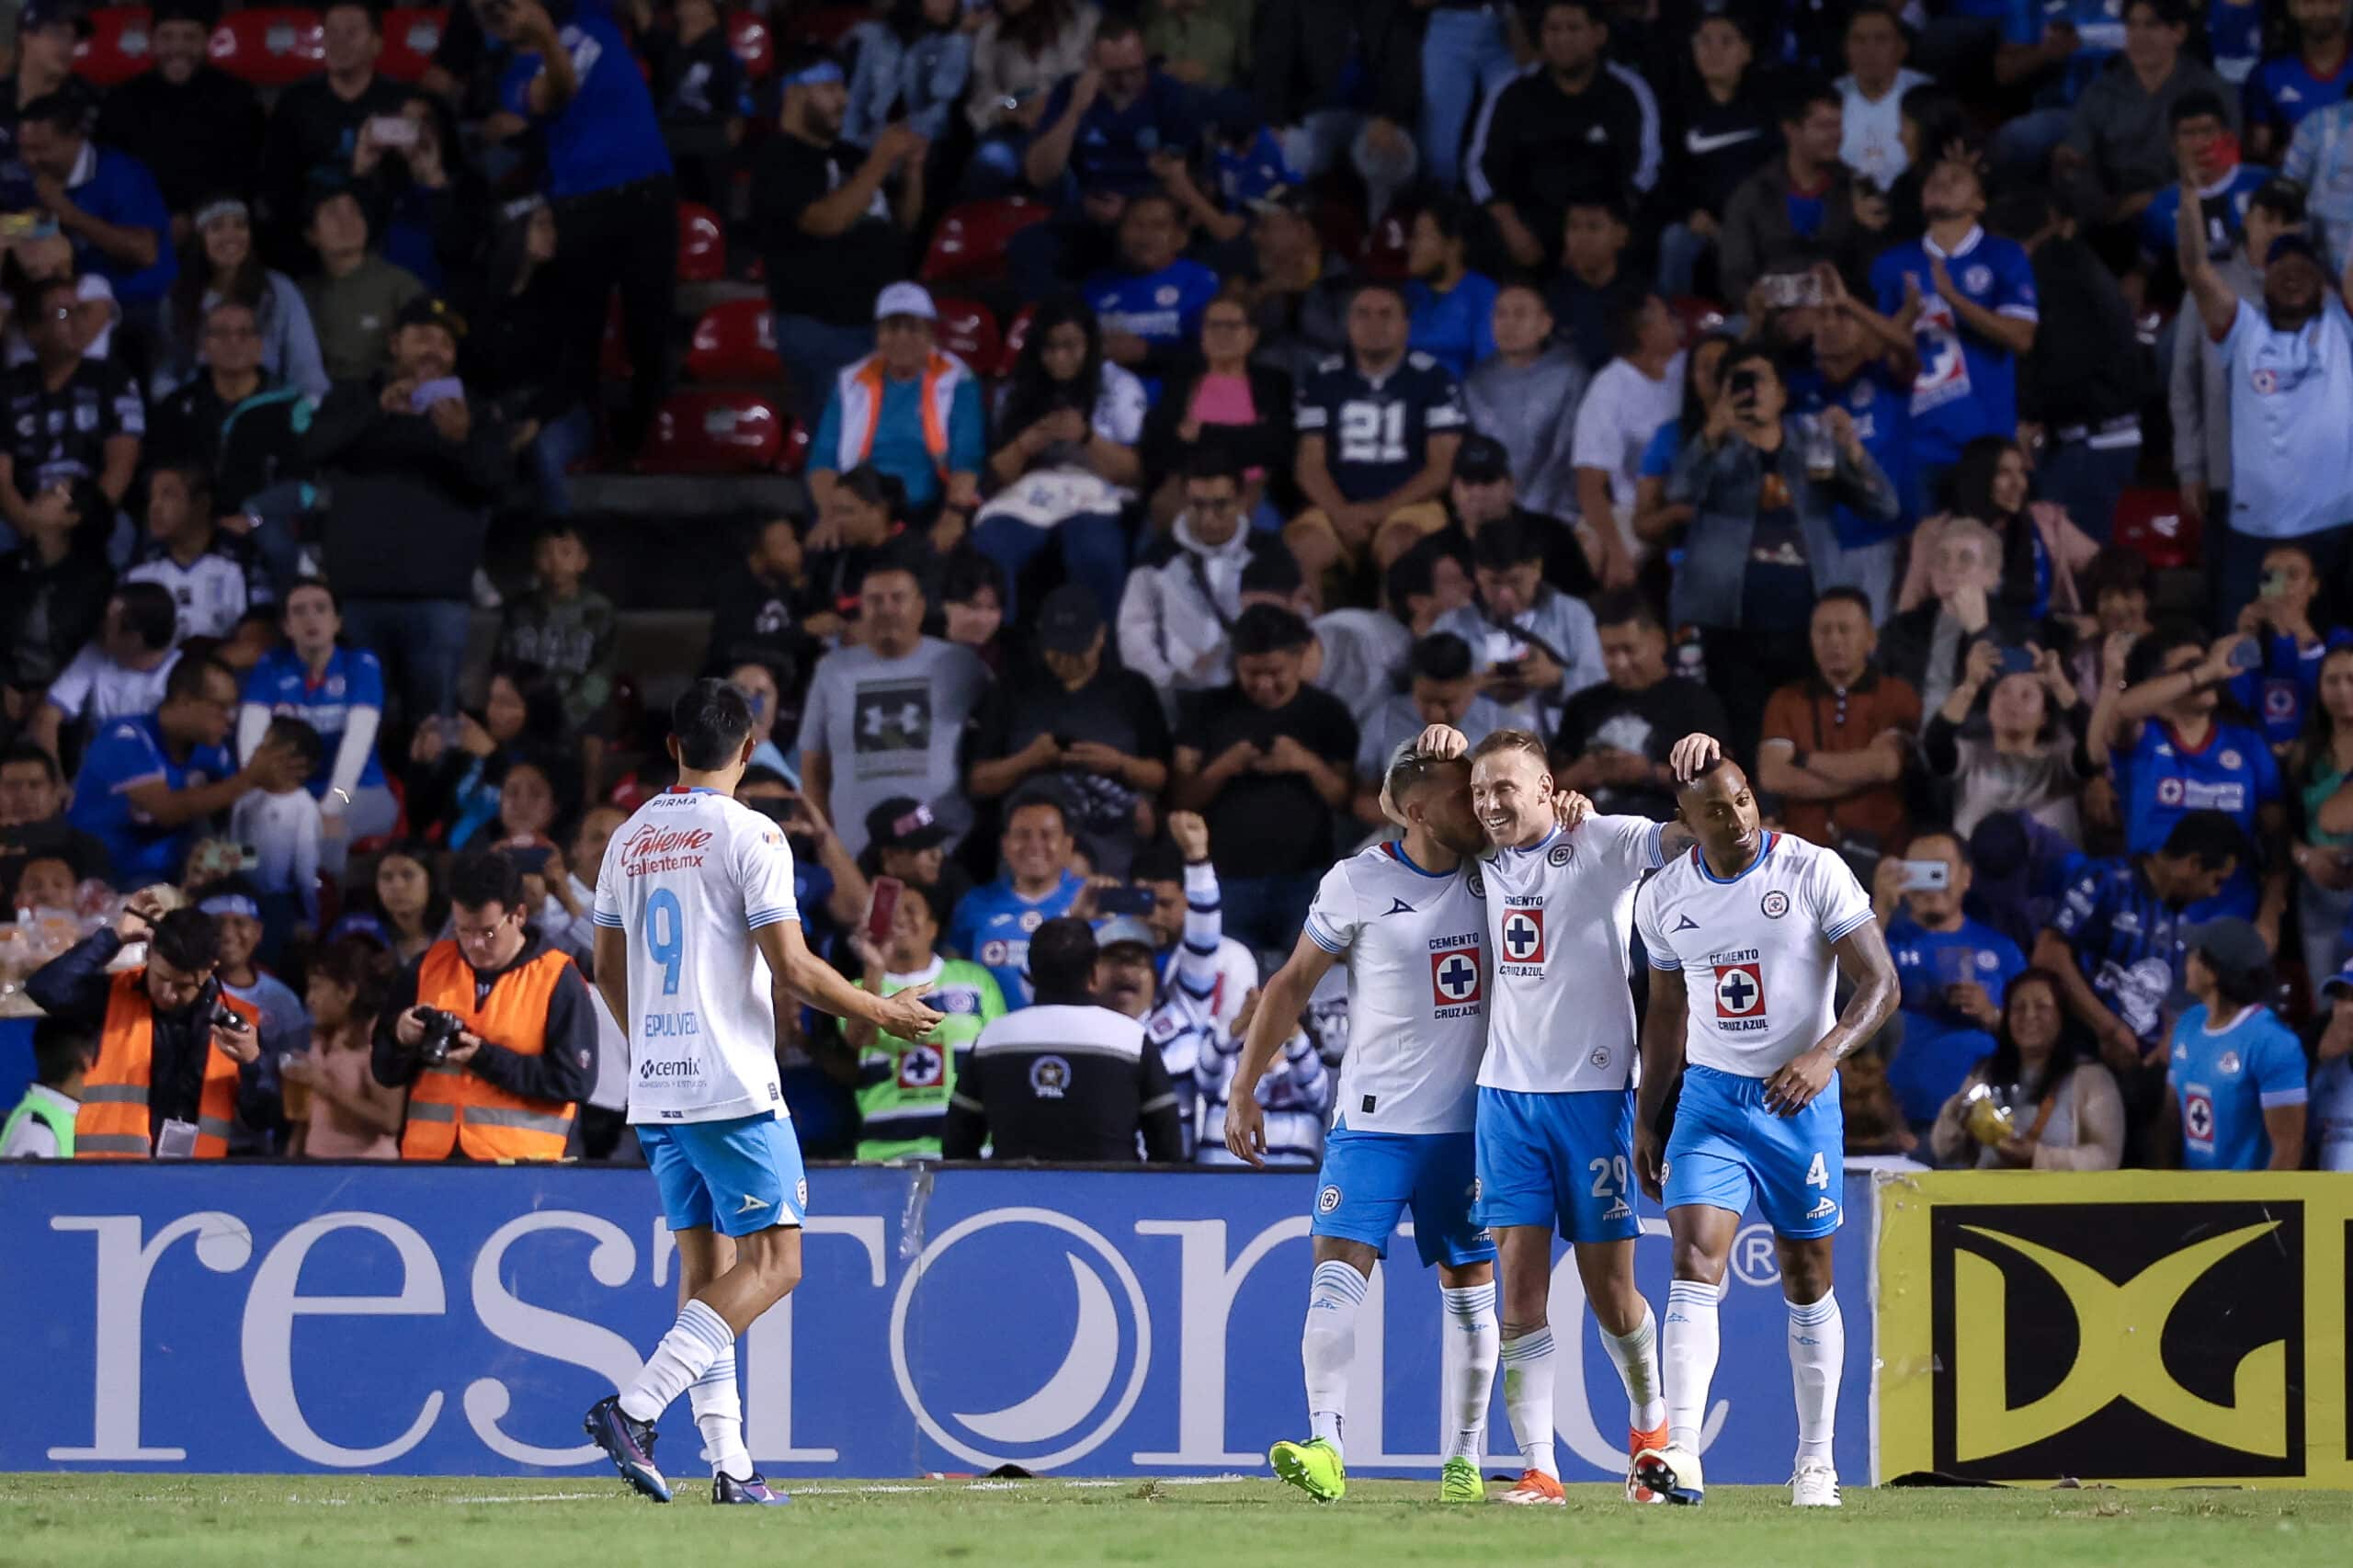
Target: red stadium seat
column 1697, row 315
column 1017, row 333
column 708, row 431
column 969, row 242
column 116, row 49
column 1385, row 247
column 2153, row 524
column 755, row 46
column 968, row 329
column 736, row 341
column 796, row 449
column 272, row 47
column 702, row 245
column 411, row 35
column 827, row 24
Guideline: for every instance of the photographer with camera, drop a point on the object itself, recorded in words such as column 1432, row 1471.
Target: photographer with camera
column 178, row 1060
column 491, row 1030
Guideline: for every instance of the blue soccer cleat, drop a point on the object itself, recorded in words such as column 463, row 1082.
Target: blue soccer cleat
column 629, row 1444
column 752, row 1489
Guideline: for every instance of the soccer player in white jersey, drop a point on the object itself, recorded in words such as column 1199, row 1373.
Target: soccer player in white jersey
column 694, row 913
column 1407, row 920
column 1556, row 1097
column 1747, row 935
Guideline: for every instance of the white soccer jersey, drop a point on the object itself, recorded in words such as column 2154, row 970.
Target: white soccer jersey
column 1417, row 986
column 688, row 878
column 1755, row 951
column 1560, row 915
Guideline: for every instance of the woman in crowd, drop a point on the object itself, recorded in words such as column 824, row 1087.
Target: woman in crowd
column 1657, row 521
column 859, row 519
column 1929, row 643
column 1069, row 425
column 1021, row 50
column 409, row 902
column 2320, row 771
column 351, row 1116
column 227, row 267
column 2031, row 759
column 2041, row 549
column 912, row 64
column 971, row 593
column 339, row 692
column 1230, row 398
column 455, row 765
column 2065, row 1111
column 1450, row 308
column 758, row 682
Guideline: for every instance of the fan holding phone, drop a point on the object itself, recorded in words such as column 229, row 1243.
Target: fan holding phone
column 1952, row 970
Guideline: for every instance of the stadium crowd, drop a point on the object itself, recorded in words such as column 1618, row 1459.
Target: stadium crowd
column 1947, row 406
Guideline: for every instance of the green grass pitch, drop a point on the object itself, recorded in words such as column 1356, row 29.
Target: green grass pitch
column 347, row 1522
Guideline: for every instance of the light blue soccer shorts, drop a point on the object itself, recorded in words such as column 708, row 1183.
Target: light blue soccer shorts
column 1726, row 1145
column 733, row 1176
column 1369, row 1179
column 1558, row 1160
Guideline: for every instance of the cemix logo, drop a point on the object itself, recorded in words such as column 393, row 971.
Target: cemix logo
column 2119, row 1341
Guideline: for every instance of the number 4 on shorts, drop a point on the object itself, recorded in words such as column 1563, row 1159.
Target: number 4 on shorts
column 1818, row 1173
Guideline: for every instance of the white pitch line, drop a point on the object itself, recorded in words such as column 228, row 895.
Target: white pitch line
column 522, row 1498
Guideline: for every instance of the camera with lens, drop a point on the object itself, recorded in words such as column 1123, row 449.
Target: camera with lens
column 441, row 1031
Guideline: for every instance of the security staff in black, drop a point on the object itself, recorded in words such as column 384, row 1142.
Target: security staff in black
column 1064, row 1080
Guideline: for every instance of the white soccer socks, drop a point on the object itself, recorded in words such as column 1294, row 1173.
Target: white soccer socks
column 1635, row 1356
column 1689, row 1346
column 700, row 1337
column 1817, row 1354
column 719, row 1415
column 1527, row 1397
column 1328, row 1345
column 1470, row 1366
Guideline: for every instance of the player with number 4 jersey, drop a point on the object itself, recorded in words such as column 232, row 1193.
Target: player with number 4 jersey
column 1747, row 935
column 694, row 922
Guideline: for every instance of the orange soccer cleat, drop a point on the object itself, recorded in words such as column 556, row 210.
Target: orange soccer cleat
column 1536, row 1489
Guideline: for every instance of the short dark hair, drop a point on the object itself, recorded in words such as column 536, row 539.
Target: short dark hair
column 1046, row 795
column 1269, row 629
column 298, row 737
column 479, row 878
column 558, row 528
column 64, row 111
column 711, row 721
column 1592, row 9
column 2149, row 655
column 1799, row 98
column 151, row 612
column 1211, row 458
column 1117, row 25
column 1274, row 571
column 1505, row 543
column 2199, row 102
column 2211, row 838
column 893, row 558
column 61, row 1049
column 2280, row 196
column 21, row 752
column 928, row 897
column 1626, row 606
column 1396, row 292
column 2170, row 13
column 965, row 573
column 1159, row 861
column 1876, row 8
column 1410, row 767
column 299, row 583
column 2244, row 987
column 2116, row 569
column 1413, row 574
column 186, row 683
column 1843, row 594
column 193, row 475
column 188, row 940
column 1062, row 957
column 1440, row 656
column 761, row 773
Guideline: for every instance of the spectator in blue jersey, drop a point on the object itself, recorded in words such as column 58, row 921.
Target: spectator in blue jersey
column 911, row 409
column 1065, row 465
column 2329, row 1115
column 2227, row 184
column 609, row 179
column 2290, row 364
column 339, row 692
column 1378, row 429
column 1856, row 370
column 2063, row 1111
column 1149, row 304
column 1953, row 972
column 2237, row 1072
column 104, row 201
column 2116, row 943
column 2285, row 90
column 1964, row 300
column 2174, row 751
column 2278, row 622
column 2318, row 768
column 2118, row 151
column 1449, row 307
column 146, row 783
column 993, row 923
column 1094, row 151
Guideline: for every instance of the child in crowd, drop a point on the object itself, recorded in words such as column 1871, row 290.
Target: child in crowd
column 282, row 827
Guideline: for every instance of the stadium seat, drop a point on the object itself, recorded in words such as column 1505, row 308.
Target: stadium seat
column 827, row 24
column 1383, row 254
column 411, row 35
column 271, row 47
column 2152, row 524
column 734, row 341
column 707, row 431
column 755, row 46
column 116, row 49
column 1697, row 315
column 702, row 245
column 1017, row 333
column 968, row 329
column 970, row 244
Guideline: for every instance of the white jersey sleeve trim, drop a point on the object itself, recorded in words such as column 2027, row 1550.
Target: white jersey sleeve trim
column 1655, row 847
column 2278, row 1097
column 1668, row 963
column 1846, row 928
column 1322, row 939
column 610, row 922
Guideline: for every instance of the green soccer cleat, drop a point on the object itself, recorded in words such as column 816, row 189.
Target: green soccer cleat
column 1313, row 1467
column 1460, row 1482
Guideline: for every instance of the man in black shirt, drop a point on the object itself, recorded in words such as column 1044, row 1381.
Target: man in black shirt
column 1483, row 492
column 1098, row 729
column 1266, row 760
column 830, row 234
column 67, row 418
column 197, row 129
column 1572, row 129
column 1615, row 737
column 32, row 818
column 52, row 598
column 1065, row 1079
column 315, row 127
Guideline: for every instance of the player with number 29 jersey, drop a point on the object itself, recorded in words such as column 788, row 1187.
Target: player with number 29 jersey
column 689, row 878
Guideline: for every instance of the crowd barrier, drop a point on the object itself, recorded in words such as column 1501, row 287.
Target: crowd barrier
column 2143, row 1328
column 433, row 1320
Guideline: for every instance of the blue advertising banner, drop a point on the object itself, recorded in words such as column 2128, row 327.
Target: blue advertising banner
column 429, row 1319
